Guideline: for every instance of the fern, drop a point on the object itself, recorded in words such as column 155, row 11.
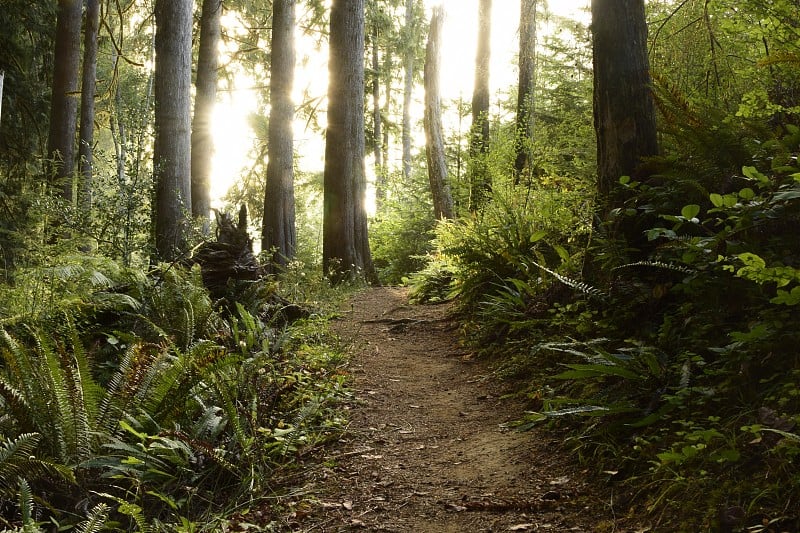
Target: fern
column 134, row 511
column 657, row 264
column 574, row 284
column 49, row 389
column 26, row 507
column 96, row 521
column 17, row 459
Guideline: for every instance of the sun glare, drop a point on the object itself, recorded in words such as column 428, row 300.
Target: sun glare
column 234, row 139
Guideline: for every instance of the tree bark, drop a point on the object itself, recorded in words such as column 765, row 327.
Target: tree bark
column 624, row 113
column 479, row 138
column 88, row 86
column 64, row 103
column 434, row 145
column 345, row 245
column 2, row 77
column 205, row 99
column 278, row 233
column 377, row 123
column 526, row 87
column 408, row 87
column 387, row 104
column 172, row 146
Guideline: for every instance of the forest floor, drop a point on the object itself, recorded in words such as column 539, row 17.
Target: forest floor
column 429, row 447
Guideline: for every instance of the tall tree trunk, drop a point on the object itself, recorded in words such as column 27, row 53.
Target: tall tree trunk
column 205, row 99
column 345, row 246
column 278, row 234
column 2, row 77
column 526, row 87
column 88, row 86
column 479, row 136
column 377, row 123
column 64, row 103
column 387, row 105
column 172, row 147
column 408, row 86
column 434, row 146
column 624, row 114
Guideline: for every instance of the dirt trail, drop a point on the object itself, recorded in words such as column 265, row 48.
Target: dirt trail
column 427, row 448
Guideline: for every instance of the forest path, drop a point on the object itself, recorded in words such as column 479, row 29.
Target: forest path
column 427, row 448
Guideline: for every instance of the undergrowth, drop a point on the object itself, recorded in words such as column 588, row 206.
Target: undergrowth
column 665, row 346
column 133, row 402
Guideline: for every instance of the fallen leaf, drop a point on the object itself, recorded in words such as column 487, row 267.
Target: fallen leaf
column 348, row 505
column 331, row 505
column 521, row 527
column 455, row 508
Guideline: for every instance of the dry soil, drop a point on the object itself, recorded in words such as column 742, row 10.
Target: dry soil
column 430, row 445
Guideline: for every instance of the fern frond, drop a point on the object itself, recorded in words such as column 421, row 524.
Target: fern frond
column 26, row 507
column 135, row 512
column 120, row 390
column 225, row 389
column 658, row 264
column 96, row 521
column 17, row 405
column 13, row 456
column 580, row 286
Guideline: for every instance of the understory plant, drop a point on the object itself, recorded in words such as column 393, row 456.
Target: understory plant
column 666, row 346
column 156, row 410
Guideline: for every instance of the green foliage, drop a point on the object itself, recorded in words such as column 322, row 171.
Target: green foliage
column 18, row 460
column 401, row 234
column 500, row 257
column 69, row 283
column 132, row 393
column 49, row 390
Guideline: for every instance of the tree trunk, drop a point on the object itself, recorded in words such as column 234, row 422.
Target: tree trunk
column 526, row 88
column 172, row 147
column 205, row 99
column 624, row 114
column 2, row 77
column 408, row 87
column 278, row 234
column 345, row 246
column 377, row 125
column 387, row 104
column 479, row 137
column 88, row 86
column 434, row 143
column 64, row 103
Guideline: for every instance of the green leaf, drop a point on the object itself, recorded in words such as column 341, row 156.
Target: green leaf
column 538, row 236
column 787, row 297
column 716, row 199
column 747, row 194
column 624, row 180
column 583, row 371
column 787, row 195
column 690, row 211
column 754, row 174
column 752, row 260
column 730, row 200
column 562, row 252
